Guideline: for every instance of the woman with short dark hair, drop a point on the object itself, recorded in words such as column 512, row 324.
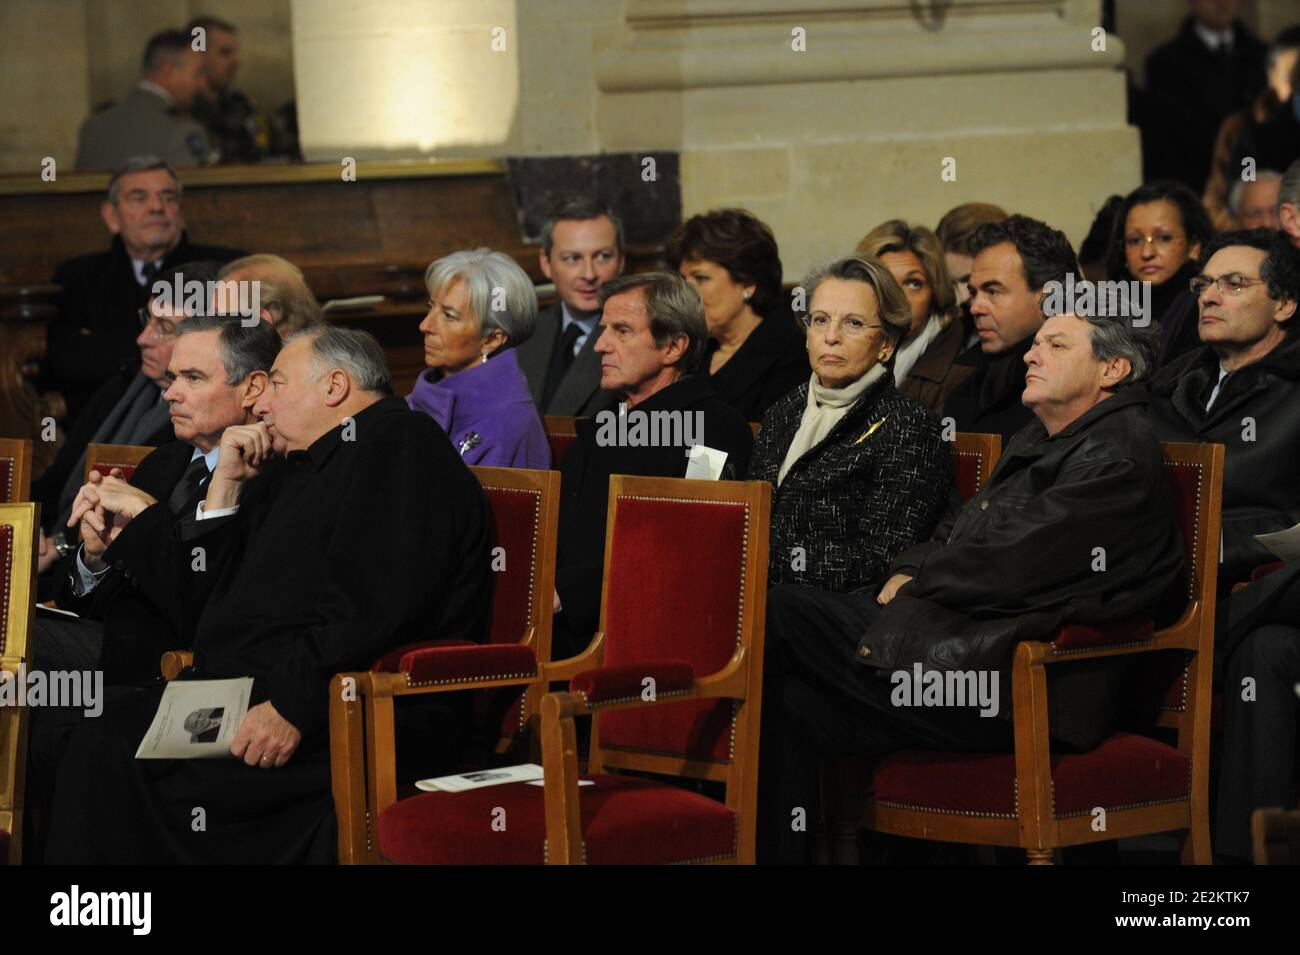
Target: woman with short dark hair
column 756, row 352
column 1158, row 235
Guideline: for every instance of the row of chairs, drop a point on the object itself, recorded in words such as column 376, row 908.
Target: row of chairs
column 672, row 682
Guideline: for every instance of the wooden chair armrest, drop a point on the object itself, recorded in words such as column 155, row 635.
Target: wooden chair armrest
column 727, row 683
column 558, row 671
column 174, row 661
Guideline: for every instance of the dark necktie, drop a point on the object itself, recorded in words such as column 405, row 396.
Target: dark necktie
column 561, row 361
column 187, row 487
column 150, row 271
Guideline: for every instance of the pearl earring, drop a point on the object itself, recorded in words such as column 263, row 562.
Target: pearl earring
column 484, row 361
column 746, row 297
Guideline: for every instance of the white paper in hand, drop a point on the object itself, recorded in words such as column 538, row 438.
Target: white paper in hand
column 705, row 464
column 196, row 719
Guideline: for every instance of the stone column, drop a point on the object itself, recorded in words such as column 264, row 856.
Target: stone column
column 43, row 49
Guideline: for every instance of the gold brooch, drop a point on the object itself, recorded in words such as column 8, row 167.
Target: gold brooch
column 870, row 431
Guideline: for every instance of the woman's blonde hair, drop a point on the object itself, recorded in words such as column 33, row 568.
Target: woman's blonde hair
column 897, row 236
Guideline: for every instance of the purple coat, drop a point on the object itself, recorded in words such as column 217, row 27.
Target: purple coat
column 487, row 412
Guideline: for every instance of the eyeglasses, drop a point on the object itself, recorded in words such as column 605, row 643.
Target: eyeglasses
column 849, row 327
column 1230, row 284
column 1165, row 240
column 164, row 327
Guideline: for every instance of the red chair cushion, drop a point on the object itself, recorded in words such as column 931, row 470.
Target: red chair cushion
column 106, row 468
column 625, row 682
column 966, row 474
column 6, row 571
column 693, row 551
column 515, row 514
column 7, row 481
column 624, row 821
column 391, row 662
column 559, row 446
column 1184, row 488
column 1263, row 570
column 457, row 664
column 1126, row 770
column 1080, row 637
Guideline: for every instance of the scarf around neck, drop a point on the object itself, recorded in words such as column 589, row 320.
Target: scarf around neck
column 825, row 408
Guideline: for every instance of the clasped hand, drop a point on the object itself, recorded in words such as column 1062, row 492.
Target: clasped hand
column 103, row 506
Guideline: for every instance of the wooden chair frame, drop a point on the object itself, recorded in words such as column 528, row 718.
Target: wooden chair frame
column 363, row 756
column 131, row 454
column 986, row 448
column 19, row 450
column 21, row 590
column 740, row 680
column 1036, row 827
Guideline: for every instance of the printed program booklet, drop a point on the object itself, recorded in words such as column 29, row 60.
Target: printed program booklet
column 529, row 773
column 196, row 719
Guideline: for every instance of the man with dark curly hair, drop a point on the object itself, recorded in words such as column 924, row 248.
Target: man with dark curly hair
column 1014, row 259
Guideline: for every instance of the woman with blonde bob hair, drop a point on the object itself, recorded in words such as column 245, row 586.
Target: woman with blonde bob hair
column 925, row 365
column 481, row 304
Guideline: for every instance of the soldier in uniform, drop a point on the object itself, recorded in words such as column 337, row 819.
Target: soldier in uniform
column 239, row 133
column 150, row 121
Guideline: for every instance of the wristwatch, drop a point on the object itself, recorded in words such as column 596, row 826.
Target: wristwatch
column 61, row 544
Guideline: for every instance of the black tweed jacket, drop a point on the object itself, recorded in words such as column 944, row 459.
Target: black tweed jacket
column 874, row 487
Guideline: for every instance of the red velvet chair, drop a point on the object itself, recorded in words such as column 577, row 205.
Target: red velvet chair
column 1040, row 801
column 672, row 683
column 15, row 470
column 18, row 524
column 105, row 457
column 525, row 514
column 973, row 458
column 560, row 432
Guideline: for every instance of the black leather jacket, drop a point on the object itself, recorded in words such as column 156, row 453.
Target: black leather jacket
column 1021, row 559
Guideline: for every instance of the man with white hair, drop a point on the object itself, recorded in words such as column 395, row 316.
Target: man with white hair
column 1288, row 204
column 1253, row 204
column 296, row 587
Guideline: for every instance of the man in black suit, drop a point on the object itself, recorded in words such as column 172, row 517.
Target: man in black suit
column 1213, row 67
column 129, row 408
column 652, row 342
column 218, row 373
column 1014, row 260
column 103, row 293
column 297, row 590
column 582, row 249
column 129, row 613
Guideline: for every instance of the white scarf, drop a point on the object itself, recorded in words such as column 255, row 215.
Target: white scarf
column 914, row 348
column 825, row 408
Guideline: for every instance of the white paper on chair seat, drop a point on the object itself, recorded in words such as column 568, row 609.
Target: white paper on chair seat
column 463, row 782
column 542, row 782
column 196, row 719
column 705, row 464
